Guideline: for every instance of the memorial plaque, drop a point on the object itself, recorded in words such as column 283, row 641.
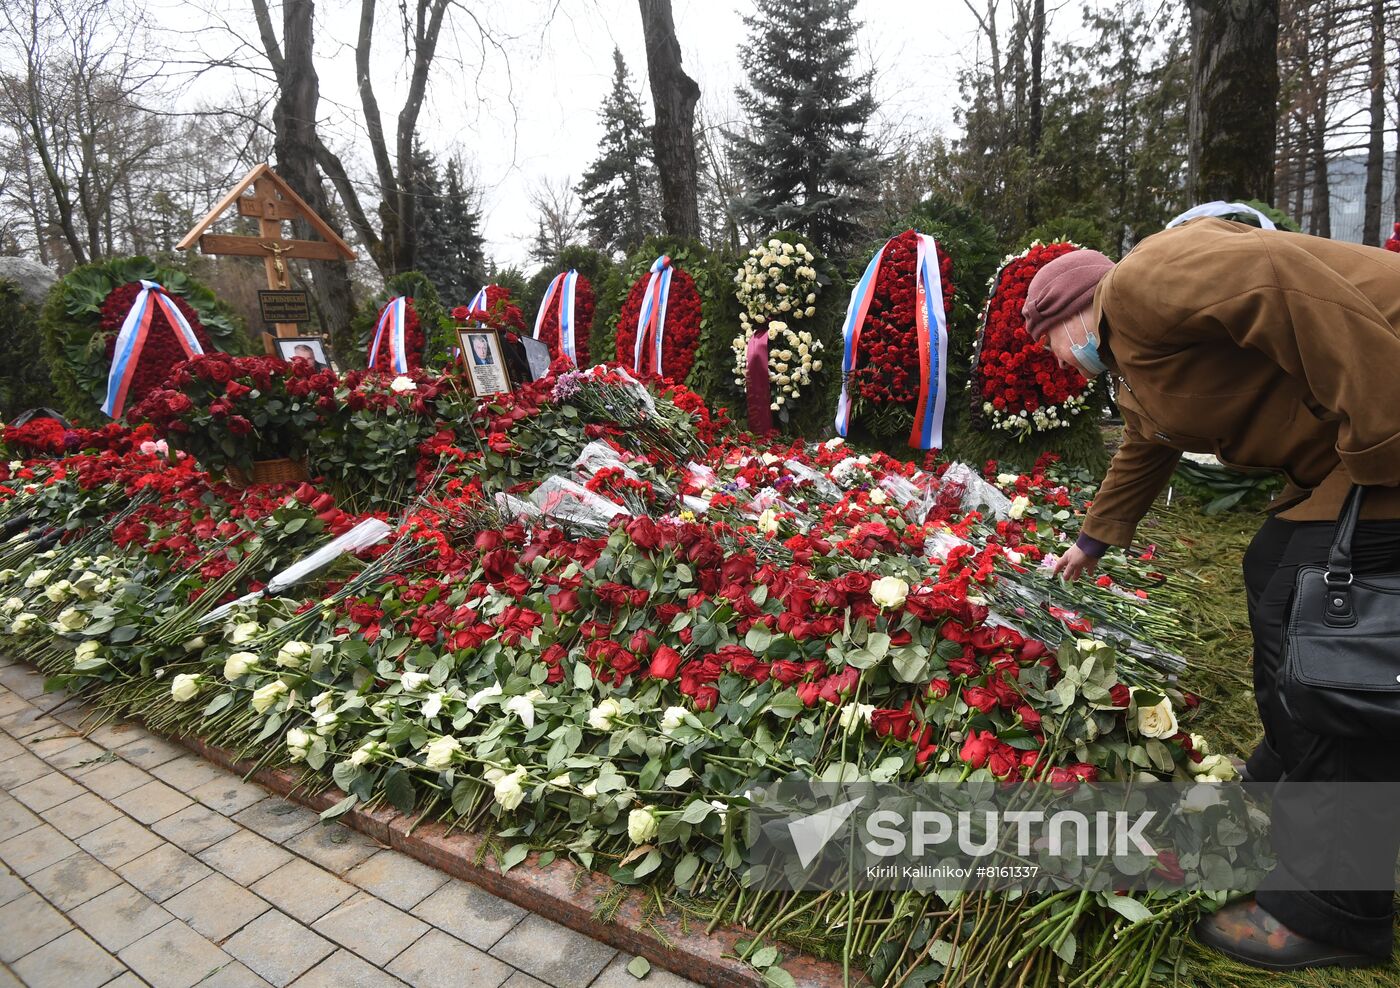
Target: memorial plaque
column 284, row 307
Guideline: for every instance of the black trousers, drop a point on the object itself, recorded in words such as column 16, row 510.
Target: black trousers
column 1359, row 920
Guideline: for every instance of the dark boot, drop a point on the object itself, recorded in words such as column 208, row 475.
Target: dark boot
column 1244, row 931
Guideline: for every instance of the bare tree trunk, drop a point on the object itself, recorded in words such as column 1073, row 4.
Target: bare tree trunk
column 1234, row 97
column 1395, row 212
column 1037, row 56
column 673, row 95
column 1375, row 149
column 294, row 120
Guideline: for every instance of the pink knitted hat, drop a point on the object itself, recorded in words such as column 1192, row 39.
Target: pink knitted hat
column 1062, row 288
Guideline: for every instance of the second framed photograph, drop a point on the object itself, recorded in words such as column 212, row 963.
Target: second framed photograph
column 484, row 360
column 312, row 348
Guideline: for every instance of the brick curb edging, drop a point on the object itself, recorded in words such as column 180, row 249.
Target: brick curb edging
column 561, row 891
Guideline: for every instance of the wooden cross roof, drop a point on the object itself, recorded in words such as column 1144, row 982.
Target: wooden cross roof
column 272, row 200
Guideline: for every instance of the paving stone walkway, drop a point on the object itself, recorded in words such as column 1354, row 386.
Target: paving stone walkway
column 128, row 860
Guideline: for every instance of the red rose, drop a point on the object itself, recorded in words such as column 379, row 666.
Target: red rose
column 665, row 663
column 978, row 747
column 980, row 699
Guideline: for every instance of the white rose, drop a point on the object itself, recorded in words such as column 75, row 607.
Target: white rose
column 1007, row 479
column 24, row 623
column 811, row 311
column 855, row 713
column 13, row 605
column 642, row 824
column 889, row 592
column 877, row 496
column 477, row 699
column 238, row 664
column 1212, row 768
column 1019, row 506
column 401, row 384
column 412, row 681
column 432, row 706
column 55, row 592
column 265, row 696
column 364, row 753
column 38, row 578
column 601, row 717
column 1200, row 745
column 439, row 752
column 293, row 655
column 1158, row 720
column 87, row 651
column 672, row 719
column 524, row 707
column 184, row 687
column 298, row 743
column 244, row 632
column 72, row 619
column 510, row 790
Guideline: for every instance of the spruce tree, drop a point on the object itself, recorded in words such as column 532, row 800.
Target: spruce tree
column 619, row 190
column 803, row 152
column 457, row 263
column 425, row 185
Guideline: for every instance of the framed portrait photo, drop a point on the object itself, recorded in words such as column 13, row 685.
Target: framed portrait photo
column 312, row 348
column 484, row 360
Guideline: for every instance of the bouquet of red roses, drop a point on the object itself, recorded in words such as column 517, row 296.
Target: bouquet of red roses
column 1017, row 385
column 680, row 334
column 230, row 411
column 497, row 313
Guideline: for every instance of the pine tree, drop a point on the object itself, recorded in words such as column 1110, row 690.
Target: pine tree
column 619, row 190
column 803, row 154
column 457, row 264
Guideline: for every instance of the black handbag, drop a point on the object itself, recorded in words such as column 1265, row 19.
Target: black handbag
column 1341, row 673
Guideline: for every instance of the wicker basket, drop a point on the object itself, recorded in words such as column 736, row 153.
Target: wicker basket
column 281, row 471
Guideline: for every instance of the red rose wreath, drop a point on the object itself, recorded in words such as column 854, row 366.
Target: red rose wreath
column 162, row 350
column 1017, row 385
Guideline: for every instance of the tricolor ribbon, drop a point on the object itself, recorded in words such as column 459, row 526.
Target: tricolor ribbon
column 135, row 331
column 392, row 319
column 478, row 302
column 932, row 326
column 563, row 286
column 651, row 320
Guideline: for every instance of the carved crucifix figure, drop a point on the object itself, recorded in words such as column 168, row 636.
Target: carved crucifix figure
column 279, row 248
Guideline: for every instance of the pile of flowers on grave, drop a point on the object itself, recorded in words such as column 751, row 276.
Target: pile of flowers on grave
column 599, row 621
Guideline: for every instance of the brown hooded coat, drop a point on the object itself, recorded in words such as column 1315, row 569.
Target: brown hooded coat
column 1273, row 350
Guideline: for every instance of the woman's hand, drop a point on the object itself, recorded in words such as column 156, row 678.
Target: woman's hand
column 1075, row 563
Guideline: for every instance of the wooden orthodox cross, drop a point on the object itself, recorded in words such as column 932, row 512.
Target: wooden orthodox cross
column 272, row 202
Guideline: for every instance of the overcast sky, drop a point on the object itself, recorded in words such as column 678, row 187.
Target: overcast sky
column 529, row 112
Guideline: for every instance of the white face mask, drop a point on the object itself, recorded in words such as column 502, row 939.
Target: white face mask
column 1087, row 353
